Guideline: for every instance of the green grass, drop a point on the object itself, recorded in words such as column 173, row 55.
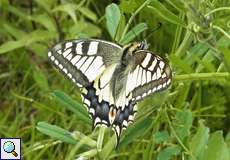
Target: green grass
column 189, row 121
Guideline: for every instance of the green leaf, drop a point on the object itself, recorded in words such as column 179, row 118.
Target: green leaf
column 199, row 140
column 11, row 45
column 226, row 53
column 108, row 147
column 18, row 12
column 135, row 131
column 82, row 27
column 88, row 13
column 177, row 5
column 183, row 123
column 39, row 49
column 217, row 148
column 40, row 79
column 112, row 15
column 139, row 28
column 35, row 36
column 164, row 13
column 92, row 30
column 128, row 6
column 46, row 4
column 72, row 105
column 159, row 137
column 45, row 20
column 39, row 36
column 168, row 153
column 4, row 4
column 14, row 31
column 227, row 140
column 68, row 8
column 56, row 132
column 120, row 28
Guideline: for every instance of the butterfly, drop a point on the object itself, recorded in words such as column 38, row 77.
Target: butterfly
column 113, row 79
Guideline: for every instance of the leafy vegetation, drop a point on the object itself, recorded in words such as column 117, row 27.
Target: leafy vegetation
column 189, row 121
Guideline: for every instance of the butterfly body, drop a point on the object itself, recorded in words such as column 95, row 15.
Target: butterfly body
column 112, row 79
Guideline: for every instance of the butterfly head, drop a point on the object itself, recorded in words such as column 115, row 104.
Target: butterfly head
column 144, row 45
column 133, row 47
column 130, row 50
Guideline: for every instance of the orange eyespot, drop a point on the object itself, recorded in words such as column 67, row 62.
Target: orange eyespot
column 113, row 113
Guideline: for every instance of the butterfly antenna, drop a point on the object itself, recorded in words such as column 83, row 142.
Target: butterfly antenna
column 154, row 29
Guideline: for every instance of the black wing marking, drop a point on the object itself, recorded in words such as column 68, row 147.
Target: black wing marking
column 104, row 113
column 88, row 63
column 149, row 75
column 98, row 111
column 123, row 118
column 83, row 61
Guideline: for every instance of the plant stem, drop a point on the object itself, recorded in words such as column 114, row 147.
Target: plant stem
column 133, row 16
column 100, row 138
column 178, row 34
column 221, row 30
column 217, row 9
column 181, row 50
column 201, row 76
column 89, row 154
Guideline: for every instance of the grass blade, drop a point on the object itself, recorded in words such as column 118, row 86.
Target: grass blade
column 72, row 105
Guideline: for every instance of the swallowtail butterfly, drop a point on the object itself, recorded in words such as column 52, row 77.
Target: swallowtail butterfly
column 112, row 79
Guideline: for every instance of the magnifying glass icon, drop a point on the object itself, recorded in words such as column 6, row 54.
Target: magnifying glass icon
column 9, row 147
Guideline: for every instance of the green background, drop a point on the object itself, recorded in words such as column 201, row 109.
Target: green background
column 188, row 121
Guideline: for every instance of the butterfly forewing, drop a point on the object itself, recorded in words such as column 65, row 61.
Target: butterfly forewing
column 83, row 61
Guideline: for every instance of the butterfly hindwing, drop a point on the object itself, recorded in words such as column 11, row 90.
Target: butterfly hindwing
column 123, row 118
column 149, row 75
column 98, row 111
